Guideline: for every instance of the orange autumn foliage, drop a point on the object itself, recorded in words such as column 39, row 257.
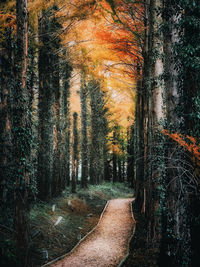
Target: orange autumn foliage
column 124, row 35
column 191, row 146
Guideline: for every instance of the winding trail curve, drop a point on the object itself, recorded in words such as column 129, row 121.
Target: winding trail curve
column 107, row 244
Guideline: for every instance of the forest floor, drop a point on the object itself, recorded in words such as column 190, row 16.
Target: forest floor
column 59, row 225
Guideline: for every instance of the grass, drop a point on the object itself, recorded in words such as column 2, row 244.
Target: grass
column 80, row 213
column 110, row 190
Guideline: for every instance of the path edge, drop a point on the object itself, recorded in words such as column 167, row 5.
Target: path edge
column 80, row 241
column 134, row 227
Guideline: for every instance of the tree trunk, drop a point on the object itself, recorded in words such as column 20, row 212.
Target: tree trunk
column 130, row 158
column 139, row 147
column 45, row 107
column 21, row 135
column 156, row 115
column 114, row 158
column 5, row 122
column 75, row 152
column 66, row 73
column 96, row 170
column 84, row 134
column 107, row 174
column 119, row 163
column 176, row 213
column 57, row 179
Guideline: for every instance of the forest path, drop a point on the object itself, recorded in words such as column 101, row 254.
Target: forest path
column 107, row 244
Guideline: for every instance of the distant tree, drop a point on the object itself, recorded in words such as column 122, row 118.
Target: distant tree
column 130, row 156
column 66, row 70
column 107, row 174
column 84, row 131
column 98, row 133
column 75, row 152
column 114, row 155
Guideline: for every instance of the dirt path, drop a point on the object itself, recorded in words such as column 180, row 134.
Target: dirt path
column 107, row 244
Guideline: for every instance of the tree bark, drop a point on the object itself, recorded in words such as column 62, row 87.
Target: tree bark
column 6, row 119
column 66, row 74
column 75, row 153
column 84, row 133
column 96, row 169
column 57, row 179
column 21, row 135
column 45, row 109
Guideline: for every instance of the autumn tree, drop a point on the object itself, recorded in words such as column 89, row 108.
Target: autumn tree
column 158, row 189
column 167, row 58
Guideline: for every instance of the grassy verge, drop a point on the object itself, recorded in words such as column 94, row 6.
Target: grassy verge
column 76, row 213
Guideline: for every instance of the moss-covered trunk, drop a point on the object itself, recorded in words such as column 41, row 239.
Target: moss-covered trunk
column 6, row 146
column 96, row 169
column 66, row 74
column 21, row 136
column 45, row 107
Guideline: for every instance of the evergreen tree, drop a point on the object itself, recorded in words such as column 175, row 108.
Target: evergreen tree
column 98, row 133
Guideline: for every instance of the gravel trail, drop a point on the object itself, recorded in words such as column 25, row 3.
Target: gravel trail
column 107, row 244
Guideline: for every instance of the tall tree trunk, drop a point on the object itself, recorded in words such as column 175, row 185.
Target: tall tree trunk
column 119, row 163
column 130, row 158
column 177, row 214
column 107, row 174
column 114, row 157
column 96, row 170
column 45, row 107
column 156, row 115
column 32, row 86
column 75, row 152
column 66, row 74
column 139, row 147
column 5, row 121
column 56, row 179
column 84, row 133
column 21, row 135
